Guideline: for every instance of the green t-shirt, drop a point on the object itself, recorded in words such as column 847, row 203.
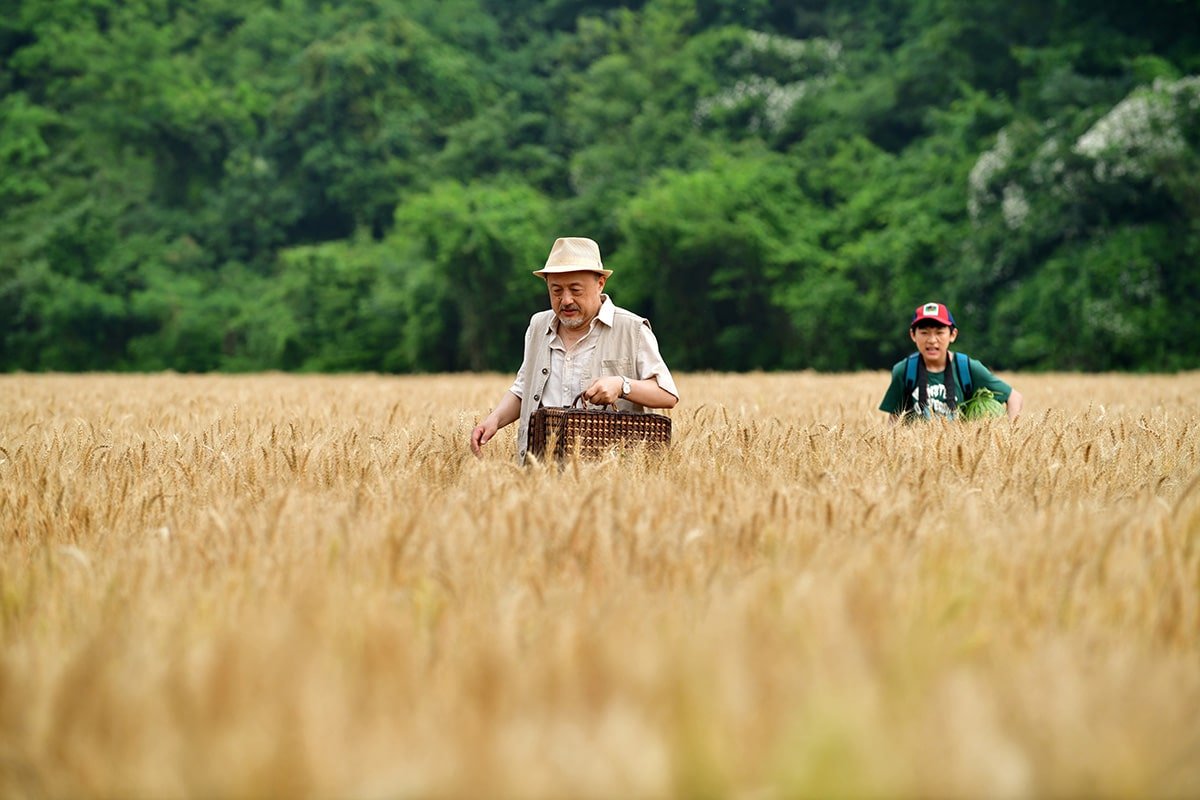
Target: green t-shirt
column 981, row 377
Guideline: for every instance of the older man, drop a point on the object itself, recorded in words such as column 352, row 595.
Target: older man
column 584, row 344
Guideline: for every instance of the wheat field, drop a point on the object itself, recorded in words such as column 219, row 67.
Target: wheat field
column 306, row 586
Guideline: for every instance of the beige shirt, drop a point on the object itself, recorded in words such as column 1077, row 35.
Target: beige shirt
column 571, row 370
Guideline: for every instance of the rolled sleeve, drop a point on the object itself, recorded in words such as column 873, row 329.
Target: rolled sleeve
column 983, row 377
column 650, row 363
column 518, row 387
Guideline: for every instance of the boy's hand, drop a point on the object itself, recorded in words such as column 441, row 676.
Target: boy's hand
column 1016, row 401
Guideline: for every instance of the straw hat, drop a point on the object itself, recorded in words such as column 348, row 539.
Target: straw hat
column 573, row 254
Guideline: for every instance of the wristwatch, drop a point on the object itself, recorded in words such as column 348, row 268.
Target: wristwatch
column 626, row 386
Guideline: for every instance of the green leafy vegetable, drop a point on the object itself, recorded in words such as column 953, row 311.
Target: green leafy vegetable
column 983, row 404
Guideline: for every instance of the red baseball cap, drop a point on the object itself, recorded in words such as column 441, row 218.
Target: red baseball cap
column 935, row 312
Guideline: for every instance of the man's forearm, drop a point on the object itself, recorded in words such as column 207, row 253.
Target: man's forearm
column 648, row 393
column 507, row 411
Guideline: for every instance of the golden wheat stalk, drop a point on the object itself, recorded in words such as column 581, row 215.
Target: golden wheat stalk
column 283, row 585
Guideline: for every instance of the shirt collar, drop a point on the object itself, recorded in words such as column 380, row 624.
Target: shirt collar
column 606, row 314
column 607, row 311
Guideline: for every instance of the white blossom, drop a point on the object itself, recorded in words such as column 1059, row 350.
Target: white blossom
column 823, row 51
column 768, row 99
column 1141, row 282
column 1105, row 314
column 1140, row 131
column 1185, row 91
column 990, row 163
column 774, row 101
column 1048, row 164
column 1014, row 206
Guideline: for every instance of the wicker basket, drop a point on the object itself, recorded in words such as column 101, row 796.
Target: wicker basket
column 594, row 431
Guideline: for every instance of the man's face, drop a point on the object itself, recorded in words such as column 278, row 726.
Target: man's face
column 933, row 341
column 575, row 297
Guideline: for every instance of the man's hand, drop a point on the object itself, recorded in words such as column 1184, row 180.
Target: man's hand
column 645, row 392
column 506, row 411
column 604, row 391
column 483, row 433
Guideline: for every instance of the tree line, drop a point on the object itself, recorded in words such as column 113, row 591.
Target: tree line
column 235, row 185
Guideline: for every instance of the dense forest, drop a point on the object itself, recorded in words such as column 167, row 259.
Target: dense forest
column 206, row 185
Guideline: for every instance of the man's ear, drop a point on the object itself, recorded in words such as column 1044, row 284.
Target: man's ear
column 602, row 279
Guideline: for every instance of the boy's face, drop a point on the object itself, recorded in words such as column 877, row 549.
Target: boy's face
column 933, row 342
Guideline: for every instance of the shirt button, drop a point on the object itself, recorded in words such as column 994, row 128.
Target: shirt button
column 537, row 397
column 545, row 371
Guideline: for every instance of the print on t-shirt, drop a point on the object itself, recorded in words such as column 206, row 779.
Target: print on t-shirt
column 937, row 399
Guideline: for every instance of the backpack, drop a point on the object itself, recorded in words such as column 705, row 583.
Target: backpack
column 915, row 378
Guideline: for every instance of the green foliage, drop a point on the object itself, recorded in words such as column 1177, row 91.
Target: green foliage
column 244, row 184
column 1096, row 305
column 467, row 253
column 23, row 150
column 703, row 259
column 202, row 320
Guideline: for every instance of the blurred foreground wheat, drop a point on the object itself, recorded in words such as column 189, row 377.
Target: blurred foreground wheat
column 306, row 586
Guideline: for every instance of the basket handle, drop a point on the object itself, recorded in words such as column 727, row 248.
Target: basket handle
column 579, row 397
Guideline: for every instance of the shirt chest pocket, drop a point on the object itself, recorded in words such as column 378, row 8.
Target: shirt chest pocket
column 618, row 366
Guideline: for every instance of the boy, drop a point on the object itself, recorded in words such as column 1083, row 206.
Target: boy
column 919, row 386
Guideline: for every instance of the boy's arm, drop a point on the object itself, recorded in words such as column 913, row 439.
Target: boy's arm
column 983, row 377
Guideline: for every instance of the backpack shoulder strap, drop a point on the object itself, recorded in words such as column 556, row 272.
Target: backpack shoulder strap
column 910, row 383
column 915, row 377
column 964, row 374
column 910, row 374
